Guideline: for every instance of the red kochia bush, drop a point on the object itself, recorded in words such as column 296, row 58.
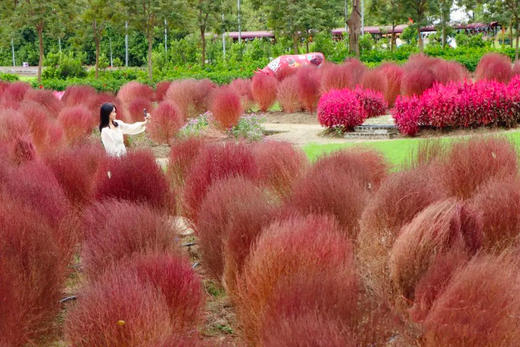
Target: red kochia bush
column 46, row 99
column 12, row 124
column 375, row 80
column 516, row 68
column 75, row 169
column 191, row 96
column 161, row 89
column 76, row 95
column 310, row 245
column 400, row 198
column 231, row 217
column 19, row 150
column 264, row 90
column 416, row 81
column 309, row 85
column 134, row 90
column 394, row 75
column 123, row 230
column 32, row 274
column 243, row 88
column 135, row 108
column 76, row 122
column 165, row 123
column 479, row 307
column 462, row 173
column 346, row 75
column 449, row 71
column 340, row 108
column 214, row 162
column 497, row 203
column 280, row 164
column 119, row 310
column 135, row 177
column 226, row 107
column 494, row 66
column 330, row 192
column 13, row 95
column 182, row 155
column 38, row 123
column 176, row 280
column 441, row 228
column 287, row 94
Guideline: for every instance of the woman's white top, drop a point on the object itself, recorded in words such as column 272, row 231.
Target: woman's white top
column 113, row 138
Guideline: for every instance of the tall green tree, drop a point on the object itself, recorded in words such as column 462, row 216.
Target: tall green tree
column 44, row 16
column 146, row 15
column 506, row 11
column 384, row 12
column 421, row 12
column 444, row 12
column 295, row 19
column 96, row 16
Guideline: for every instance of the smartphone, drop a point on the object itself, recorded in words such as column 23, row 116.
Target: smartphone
column 145, row 112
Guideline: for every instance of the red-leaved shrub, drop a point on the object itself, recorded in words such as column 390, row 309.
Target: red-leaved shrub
column 77, row 123
column 165, row 122
column 479, row 306
column 375, row 80
column 32, row 274
column 264, row 89
column 346, row 75
column 119, row 310
column 497, row 203
column 120, row 231
column 231, row 216
column 13, row 95
column 161, row 89
column 309, row 86
column 516, row 68
column 340, row 108
column 287, row 95
column 394, row 75
column 440, row 228
column 75, row 169
column 309, row 245
column 242, row 87
column 191, row 96
column 226, row 107
column 494, row 66
column 135, row 177
column 280, row 164
column 176, row 280
column 449, row 71
column 416, row 81
column 372, row 102
column 135, row 90
column 400, row 198
column 462, row 173
column 215, row 162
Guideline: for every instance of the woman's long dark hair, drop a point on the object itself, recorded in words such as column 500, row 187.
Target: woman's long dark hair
column 104, row 115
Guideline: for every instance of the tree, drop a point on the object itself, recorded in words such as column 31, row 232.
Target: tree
column 206, row 14
column 354, row 27
column 43, row 16
column 97, row 14
column 388, row 11
column 419, row 11
column 508, row 9
column 296, row 19
column 148, row 14
column 445, row 7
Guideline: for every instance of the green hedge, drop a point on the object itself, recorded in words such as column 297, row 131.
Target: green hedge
column 8, row 77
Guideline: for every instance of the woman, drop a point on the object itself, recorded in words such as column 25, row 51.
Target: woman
column 112, row 130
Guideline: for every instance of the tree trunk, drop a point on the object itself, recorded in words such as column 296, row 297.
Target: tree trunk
column 307, row 45
column 295, row 43
column 517, row 38
column 420, row 40
column 203, row 42
column 393, row 39
column 443, row 36
column 354, row 28
column 150, row 42
column 40, row 42
column 511, row 33
column 96, row 40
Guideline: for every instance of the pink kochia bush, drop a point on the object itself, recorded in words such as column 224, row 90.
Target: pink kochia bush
column 226, row 107
column 372, row 102
column 459, row 105
column 287, row 94
column 264, row 90
column 340, row 108
column 494, row 66
column 165, row 123
column 77, row 123
column 135, row 177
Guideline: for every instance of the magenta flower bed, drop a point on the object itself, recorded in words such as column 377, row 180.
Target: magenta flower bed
column 460, row 105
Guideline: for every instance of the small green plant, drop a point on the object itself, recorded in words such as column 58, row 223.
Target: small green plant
column 248, row 128
column 196, row 125
column 8, row 77
column 225, row 328
column 213, row 289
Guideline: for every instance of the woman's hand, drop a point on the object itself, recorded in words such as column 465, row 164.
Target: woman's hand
column 147, row 117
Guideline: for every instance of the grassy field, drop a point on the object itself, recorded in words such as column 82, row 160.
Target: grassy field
column 397, row 152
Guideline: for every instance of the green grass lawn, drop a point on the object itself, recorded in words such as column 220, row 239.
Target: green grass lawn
column 397, row 152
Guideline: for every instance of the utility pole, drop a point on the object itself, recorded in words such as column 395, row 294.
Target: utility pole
column 126, row 43
column 223, row 38
column 111, row 60
column 165, row 37
column 239, row 25
column 12, row 49
column 59, row 43
column 362, row 17
column 346, row 20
